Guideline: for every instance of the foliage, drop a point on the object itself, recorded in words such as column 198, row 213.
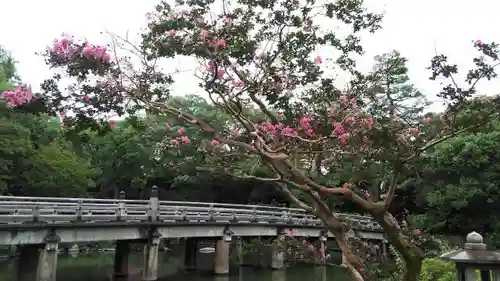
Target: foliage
column 8, row 71
column 435, row 269
column 36, row 160
column 281, row 111
column 459, row 184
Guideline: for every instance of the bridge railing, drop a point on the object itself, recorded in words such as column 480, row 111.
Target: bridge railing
column 65, row 210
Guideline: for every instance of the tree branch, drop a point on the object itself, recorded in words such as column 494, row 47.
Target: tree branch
column 294, row 198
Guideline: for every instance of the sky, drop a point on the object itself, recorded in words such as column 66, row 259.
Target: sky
column 415, row 28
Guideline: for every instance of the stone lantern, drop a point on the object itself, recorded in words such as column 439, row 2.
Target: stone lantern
column 474, row 257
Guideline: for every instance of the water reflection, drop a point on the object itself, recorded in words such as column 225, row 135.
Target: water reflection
column 99, row 266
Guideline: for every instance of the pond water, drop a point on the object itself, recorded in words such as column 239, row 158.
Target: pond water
column 99, row 266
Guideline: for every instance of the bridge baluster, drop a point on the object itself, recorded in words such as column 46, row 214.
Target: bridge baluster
column 184, row 214
column 121, row 211
column 234, row 218
column 153, row 204
column 211, row 213
column 254, row 215
column 36, row 213
column 79, row 210
column 289, row 219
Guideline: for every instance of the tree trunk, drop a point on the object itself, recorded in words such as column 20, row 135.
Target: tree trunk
column 411, row 254
column 350, row 261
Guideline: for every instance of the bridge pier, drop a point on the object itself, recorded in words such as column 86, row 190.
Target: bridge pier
column 278, row 275
column 150, row 268
column 120, row 268
column 190, row 254
column 278, row 253
column 320, row 273
column 47, row 263
column 222, row 249
column 28, row 262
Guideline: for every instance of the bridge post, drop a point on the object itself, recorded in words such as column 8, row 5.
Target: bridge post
column 320, row 273
column 322, row 246
column 150, row 269
column 27, row 262
column 278, row 275
column 121, row 212
column 47, row 263
column 153, row 204
column 120, row 268
column 384, row 251
column 222, row 248
column 190, row 254
column 278, row 253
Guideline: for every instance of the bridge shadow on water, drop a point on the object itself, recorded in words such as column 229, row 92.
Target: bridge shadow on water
column 98, row 267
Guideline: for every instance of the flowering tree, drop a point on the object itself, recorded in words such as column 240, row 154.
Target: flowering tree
column 259, row 63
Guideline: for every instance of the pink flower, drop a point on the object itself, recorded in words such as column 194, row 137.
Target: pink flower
column 21, row 95
column 220, row 43
column 171, row 32
column 309, row 132
column 318, row 60
column 88, row 52
column 91, row 52
column 185, row 139
column 180, row 131
column 368, row 122
column 338, row 129
column 227, row 20
column 214, row 142
column 311, row 247
column 344, row 138
column 304, row 242
column 86, row 98
column 239, row 84
column 203, row 34
column 211, row 66
column 267, row 127
column 343, row 100
column 106, row 58
column 427, row 120
column 236, row 132
column 220, row 73
column 479, row 42
column 305, row 122
column 112, row 124
column 349, row 120
column 288, row 132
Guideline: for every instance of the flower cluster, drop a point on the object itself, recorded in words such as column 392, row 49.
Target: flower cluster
column 180, row 138
column 351, row 121
column 308, row 245
column 21, row 95
column 67, row 48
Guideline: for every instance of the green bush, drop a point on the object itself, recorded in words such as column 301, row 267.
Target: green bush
column 435, row 269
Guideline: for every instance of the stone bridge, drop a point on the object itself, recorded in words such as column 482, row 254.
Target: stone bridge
column 39, row 224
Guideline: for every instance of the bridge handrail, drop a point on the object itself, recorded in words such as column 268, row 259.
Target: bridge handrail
column 60, row 208
column 71, row 199
column 23, row 199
